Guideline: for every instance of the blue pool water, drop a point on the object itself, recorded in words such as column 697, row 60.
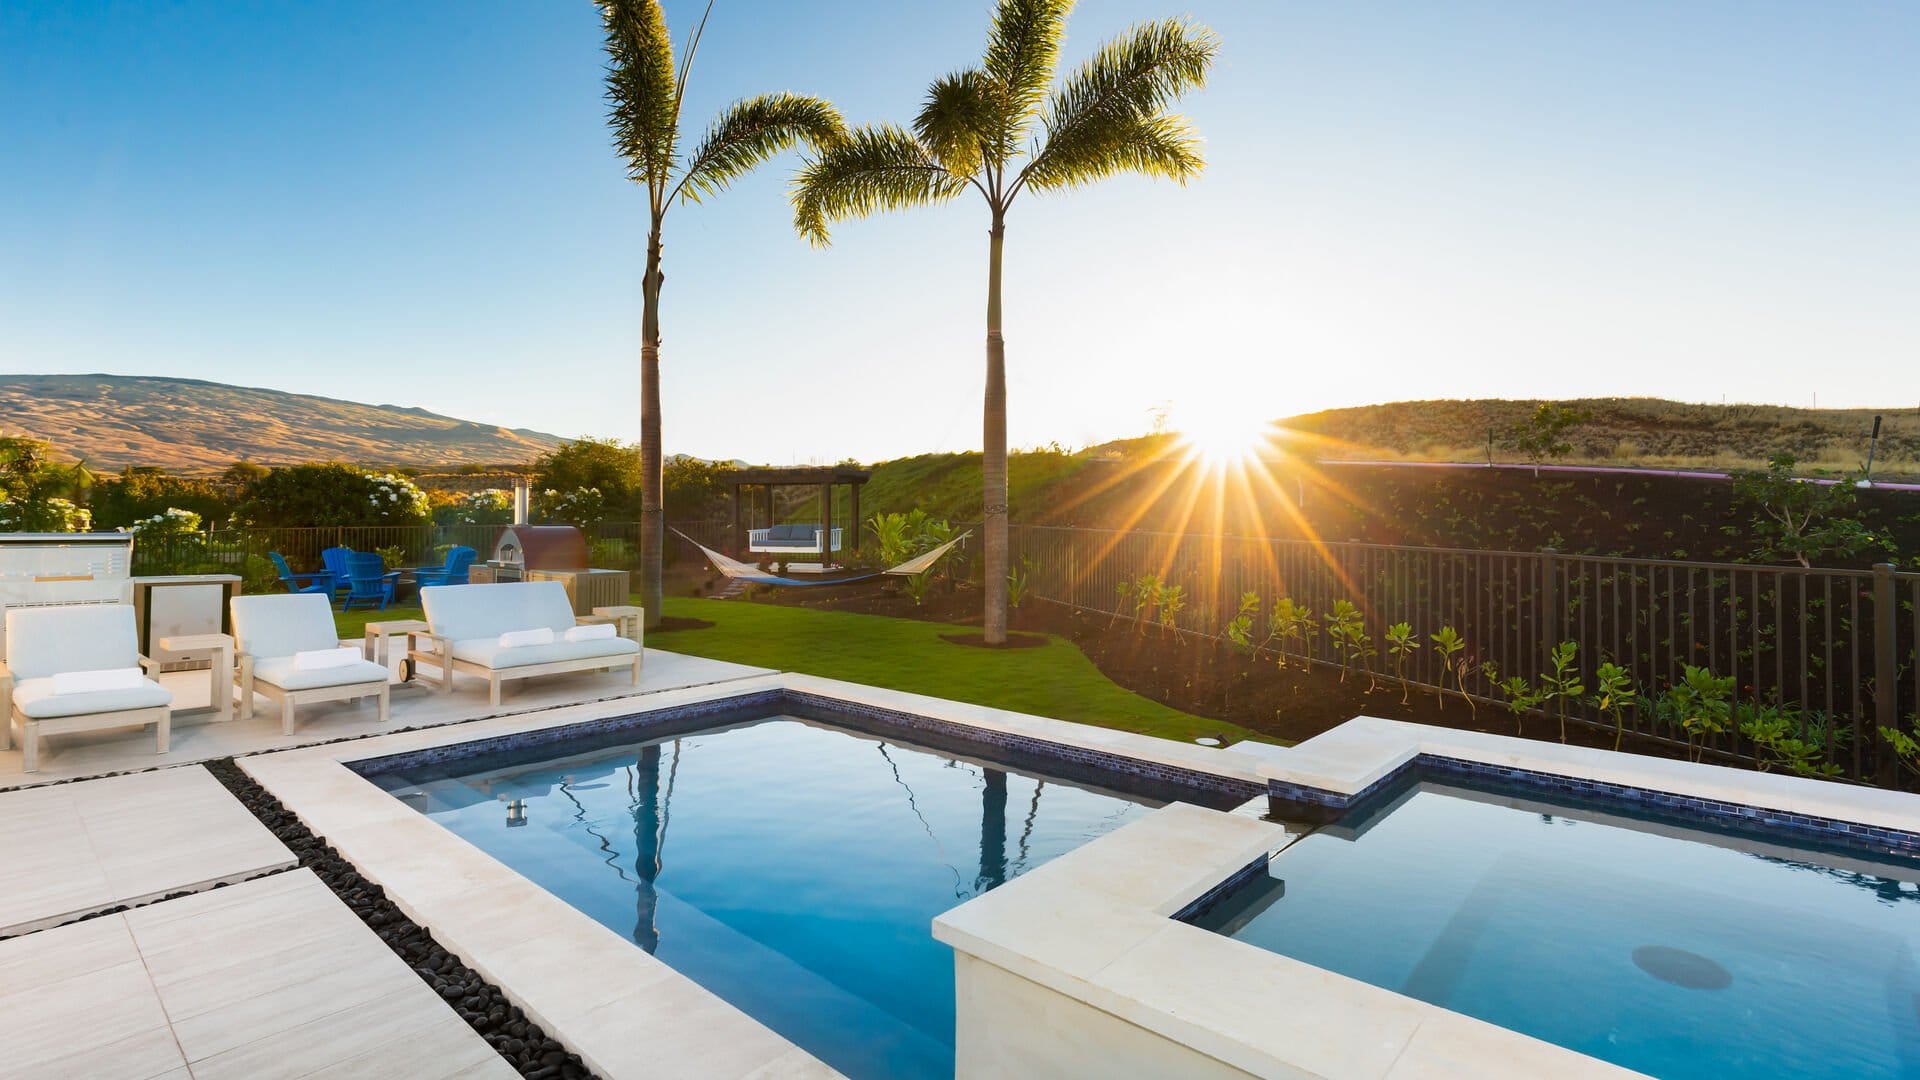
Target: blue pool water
column 1674, row 951
column 790, row 867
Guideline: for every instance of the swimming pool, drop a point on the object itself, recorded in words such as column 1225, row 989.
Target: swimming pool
column 791, row 865
column 1661, row 946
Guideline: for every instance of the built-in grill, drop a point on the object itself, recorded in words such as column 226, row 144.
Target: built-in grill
column 37, row 569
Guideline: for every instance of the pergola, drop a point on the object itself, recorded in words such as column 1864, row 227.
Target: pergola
column 824, row 477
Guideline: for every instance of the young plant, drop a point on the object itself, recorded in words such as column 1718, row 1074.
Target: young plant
column 1401, row 645
column 1700, row 703
column 1239, row 629
column 1347, row 630
column 1520, row 694
column 1169, row 602
column 1782, row 735
column 1563, row 684
column 1144, row 593
column 1291, row 623
column 1613, row 695
column 919, row 586
column 1448, row 642
column 1904, row 747
column 1018, row 584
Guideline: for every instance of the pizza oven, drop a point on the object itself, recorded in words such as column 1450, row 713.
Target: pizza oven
column 538, row 547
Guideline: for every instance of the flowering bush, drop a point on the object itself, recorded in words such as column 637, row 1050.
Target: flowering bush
column 172, row 522
column 42, row 515
column 396, row 499
column 581, row 506
column 493, row 506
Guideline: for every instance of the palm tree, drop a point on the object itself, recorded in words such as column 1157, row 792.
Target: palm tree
column 995, row 129
column 644, row 89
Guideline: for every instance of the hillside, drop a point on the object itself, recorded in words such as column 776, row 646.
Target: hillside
column 1624, row 431
column 188, row 425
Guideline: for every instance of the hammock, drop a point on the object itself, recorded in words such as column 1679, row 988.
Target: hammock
column 745, row 571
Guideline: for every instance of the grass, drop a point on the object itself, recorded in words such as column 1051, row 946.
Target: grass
column 1055, row 679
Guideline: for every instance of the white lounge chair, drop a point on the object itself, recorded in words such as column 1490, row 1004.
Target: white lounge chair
column 53, row 653
column 282, row 641
column 468, row 623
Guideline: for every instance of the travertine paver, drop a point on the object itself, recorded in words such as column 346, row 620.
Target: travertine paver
column 197, row 737
column 74, row 849
column 270, row 978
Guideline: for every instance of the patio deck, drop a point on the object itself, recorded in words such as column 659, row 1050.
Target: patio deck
column 198, row 737
column 269, row 977
column 74, row 849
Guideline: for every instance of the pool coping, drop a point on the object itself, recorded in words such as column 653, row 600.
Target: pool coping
column 627, row 1013
column 1124, row 950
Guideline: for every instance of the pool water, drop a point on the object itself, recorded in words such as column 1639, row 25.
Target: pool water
column 792, row 868
column 1671, row 950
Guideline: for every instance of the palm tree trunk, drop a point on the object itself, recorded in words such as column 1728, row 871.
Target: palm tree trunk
column 993, row 458
column 652, row 517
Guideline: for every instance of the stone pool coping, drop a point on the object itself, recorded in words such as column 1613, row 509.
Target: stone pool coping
column 623, row 1011
column 1363, row 755
column 1097, row 928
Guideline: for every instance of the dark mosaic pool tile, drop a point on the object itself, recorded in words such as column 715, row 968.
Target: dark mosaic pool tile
column 681, row 719
column 1317, row 803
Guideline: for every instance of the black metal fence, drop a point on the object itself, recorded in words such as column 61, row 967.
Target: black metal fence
column 1836, row 645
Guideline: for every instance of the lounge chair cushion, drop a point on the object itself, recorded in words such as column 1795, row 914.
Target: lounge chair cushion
column 274, row 624
column 280, row 671
column 489, row 653
column 44, row 641
column 36, row 700
column 467, row 612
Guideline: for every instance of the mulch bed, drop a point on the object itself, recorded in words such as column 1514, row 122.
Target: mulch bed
column 1207, row 678
column 481, row 1004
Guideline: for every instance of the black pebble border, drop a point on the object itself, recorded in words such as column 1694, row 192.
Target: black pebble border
column 480, row 1003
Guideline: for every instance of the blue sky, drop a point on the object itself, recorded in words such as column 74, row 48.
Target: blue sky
column 418, row 204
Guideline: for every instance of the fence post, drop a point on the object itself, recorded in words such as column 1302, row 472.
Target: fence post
column 1886, row 653
column 1549, row 624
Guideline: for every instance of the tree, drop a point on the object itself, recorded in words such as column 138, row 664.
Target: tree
column 1542, row 436
column 1800, row 520
column 607, row 464
column 997, row 130
column 644, row 90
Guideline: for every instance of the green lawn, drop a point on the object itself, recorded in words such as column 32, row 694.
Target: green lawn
column 1054, row 679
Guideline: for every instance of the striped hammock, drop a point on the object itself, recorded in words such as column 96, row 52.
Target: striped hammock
column 745, row 571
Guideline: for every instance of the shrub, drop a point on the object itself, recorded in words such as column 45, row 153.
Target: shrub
column 42, row 515
column 303, row 496
column 581, row 506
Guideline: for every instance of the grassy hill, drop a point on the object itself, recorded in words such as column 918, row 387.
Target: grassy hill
column 189, row 425
column 1625, row 431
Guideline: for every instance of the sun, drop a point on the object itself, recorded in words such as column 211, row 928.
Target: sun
column 1223, row 433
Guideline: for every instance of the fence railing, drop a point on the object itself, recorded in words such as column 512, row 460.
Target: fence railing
column 1836, row 645
column 615, row 545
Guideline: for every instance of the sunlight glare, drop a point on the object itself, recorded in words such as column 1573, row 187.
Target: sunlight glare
column 1222, row 433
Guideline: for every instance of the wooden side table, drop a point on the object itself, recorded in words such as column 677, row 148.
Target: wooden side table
column 378, row 632
column 630, row 622
column 219, row 648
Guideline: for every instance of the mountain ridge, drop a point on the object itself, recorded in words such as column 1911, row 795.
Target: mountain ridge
column 198, row 425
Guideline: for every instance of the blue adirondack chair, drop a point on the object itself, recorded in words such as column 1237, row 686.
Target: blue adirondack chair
column 454, row 572
column 368, row 580
column 321, row 582
column 335, row 560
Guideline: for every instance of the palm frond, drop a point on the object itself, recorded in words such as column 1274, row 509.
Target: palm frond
column 753, row 130
column 1164, row 146
column 959, row 120
column 641, row 90
column 1120, row 95
column 1023, row 49
column 882, row 167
